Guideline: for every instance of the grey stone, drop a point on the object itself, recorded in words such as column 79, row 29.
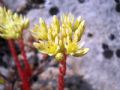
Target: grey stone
column 15, row 5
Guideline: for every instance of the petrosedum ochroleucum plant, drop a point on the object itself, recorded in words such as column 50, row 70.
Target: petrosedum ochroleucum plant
column 11, row 28
column 60, row 37
column 11, row 24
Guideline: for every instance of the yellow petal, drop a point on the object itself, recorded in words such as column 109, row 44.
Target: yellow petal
column 26, row 23
column 39, row 33
column 56, row 22
column 51, row 48
column 61, row 45
column 43, row 25
column 81, row 52
column 81, row 29
column 56, row 40
column 69, row 31
column 72, row 47
column 77, row 23
column 36, row 45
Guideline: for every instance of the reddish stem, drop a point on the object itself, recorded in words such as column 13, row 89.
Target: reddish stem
column 27, row 65
column 62, row 72
column 13, row 52
column 26, row 85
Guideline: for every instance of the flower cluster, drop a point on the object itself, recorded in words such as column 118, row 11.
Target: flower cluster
column 60, row 38
column 11, row 24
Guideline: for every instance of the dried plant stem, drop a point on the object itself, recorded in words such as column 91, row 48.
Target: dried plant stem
column 25, row 84
column 62, row 72
column 27, row 65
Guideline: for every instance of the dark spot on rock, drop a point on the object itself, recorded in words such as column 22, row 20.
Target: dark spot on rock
column 118, row 7
column 118, row 53
column 112, row 37
column 38, row 1
column 77, row 83
column 81, row 1
column 53, row 10
column 117, row 1
column 105, row 46
column 108, row 53
column 90, row 35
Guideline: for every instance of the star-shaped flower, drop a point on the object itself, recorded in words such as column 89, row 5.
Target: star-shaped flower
column 60, row 37
column 11, row 24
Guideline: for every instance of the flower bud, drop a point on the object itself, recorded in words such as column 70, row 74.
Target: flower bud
column 59, row 57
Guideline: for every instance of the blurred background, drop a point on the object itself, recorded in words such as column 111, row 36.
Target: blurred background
column 98, row 70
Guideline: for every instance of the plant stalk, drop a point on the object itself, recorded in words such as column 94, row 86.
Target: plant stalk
column 62, row 72
column 27, row 65
column 25, row 84
column 14, row 54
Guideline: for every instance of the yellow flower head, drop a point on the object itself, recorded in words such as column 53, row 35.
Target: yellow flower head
column 60, row 38
column 11, row 24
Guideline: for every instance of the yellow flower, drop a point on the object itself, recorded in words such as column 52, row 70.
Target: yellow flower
column 60, row 38
column 11, row 24
column 40, row 31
